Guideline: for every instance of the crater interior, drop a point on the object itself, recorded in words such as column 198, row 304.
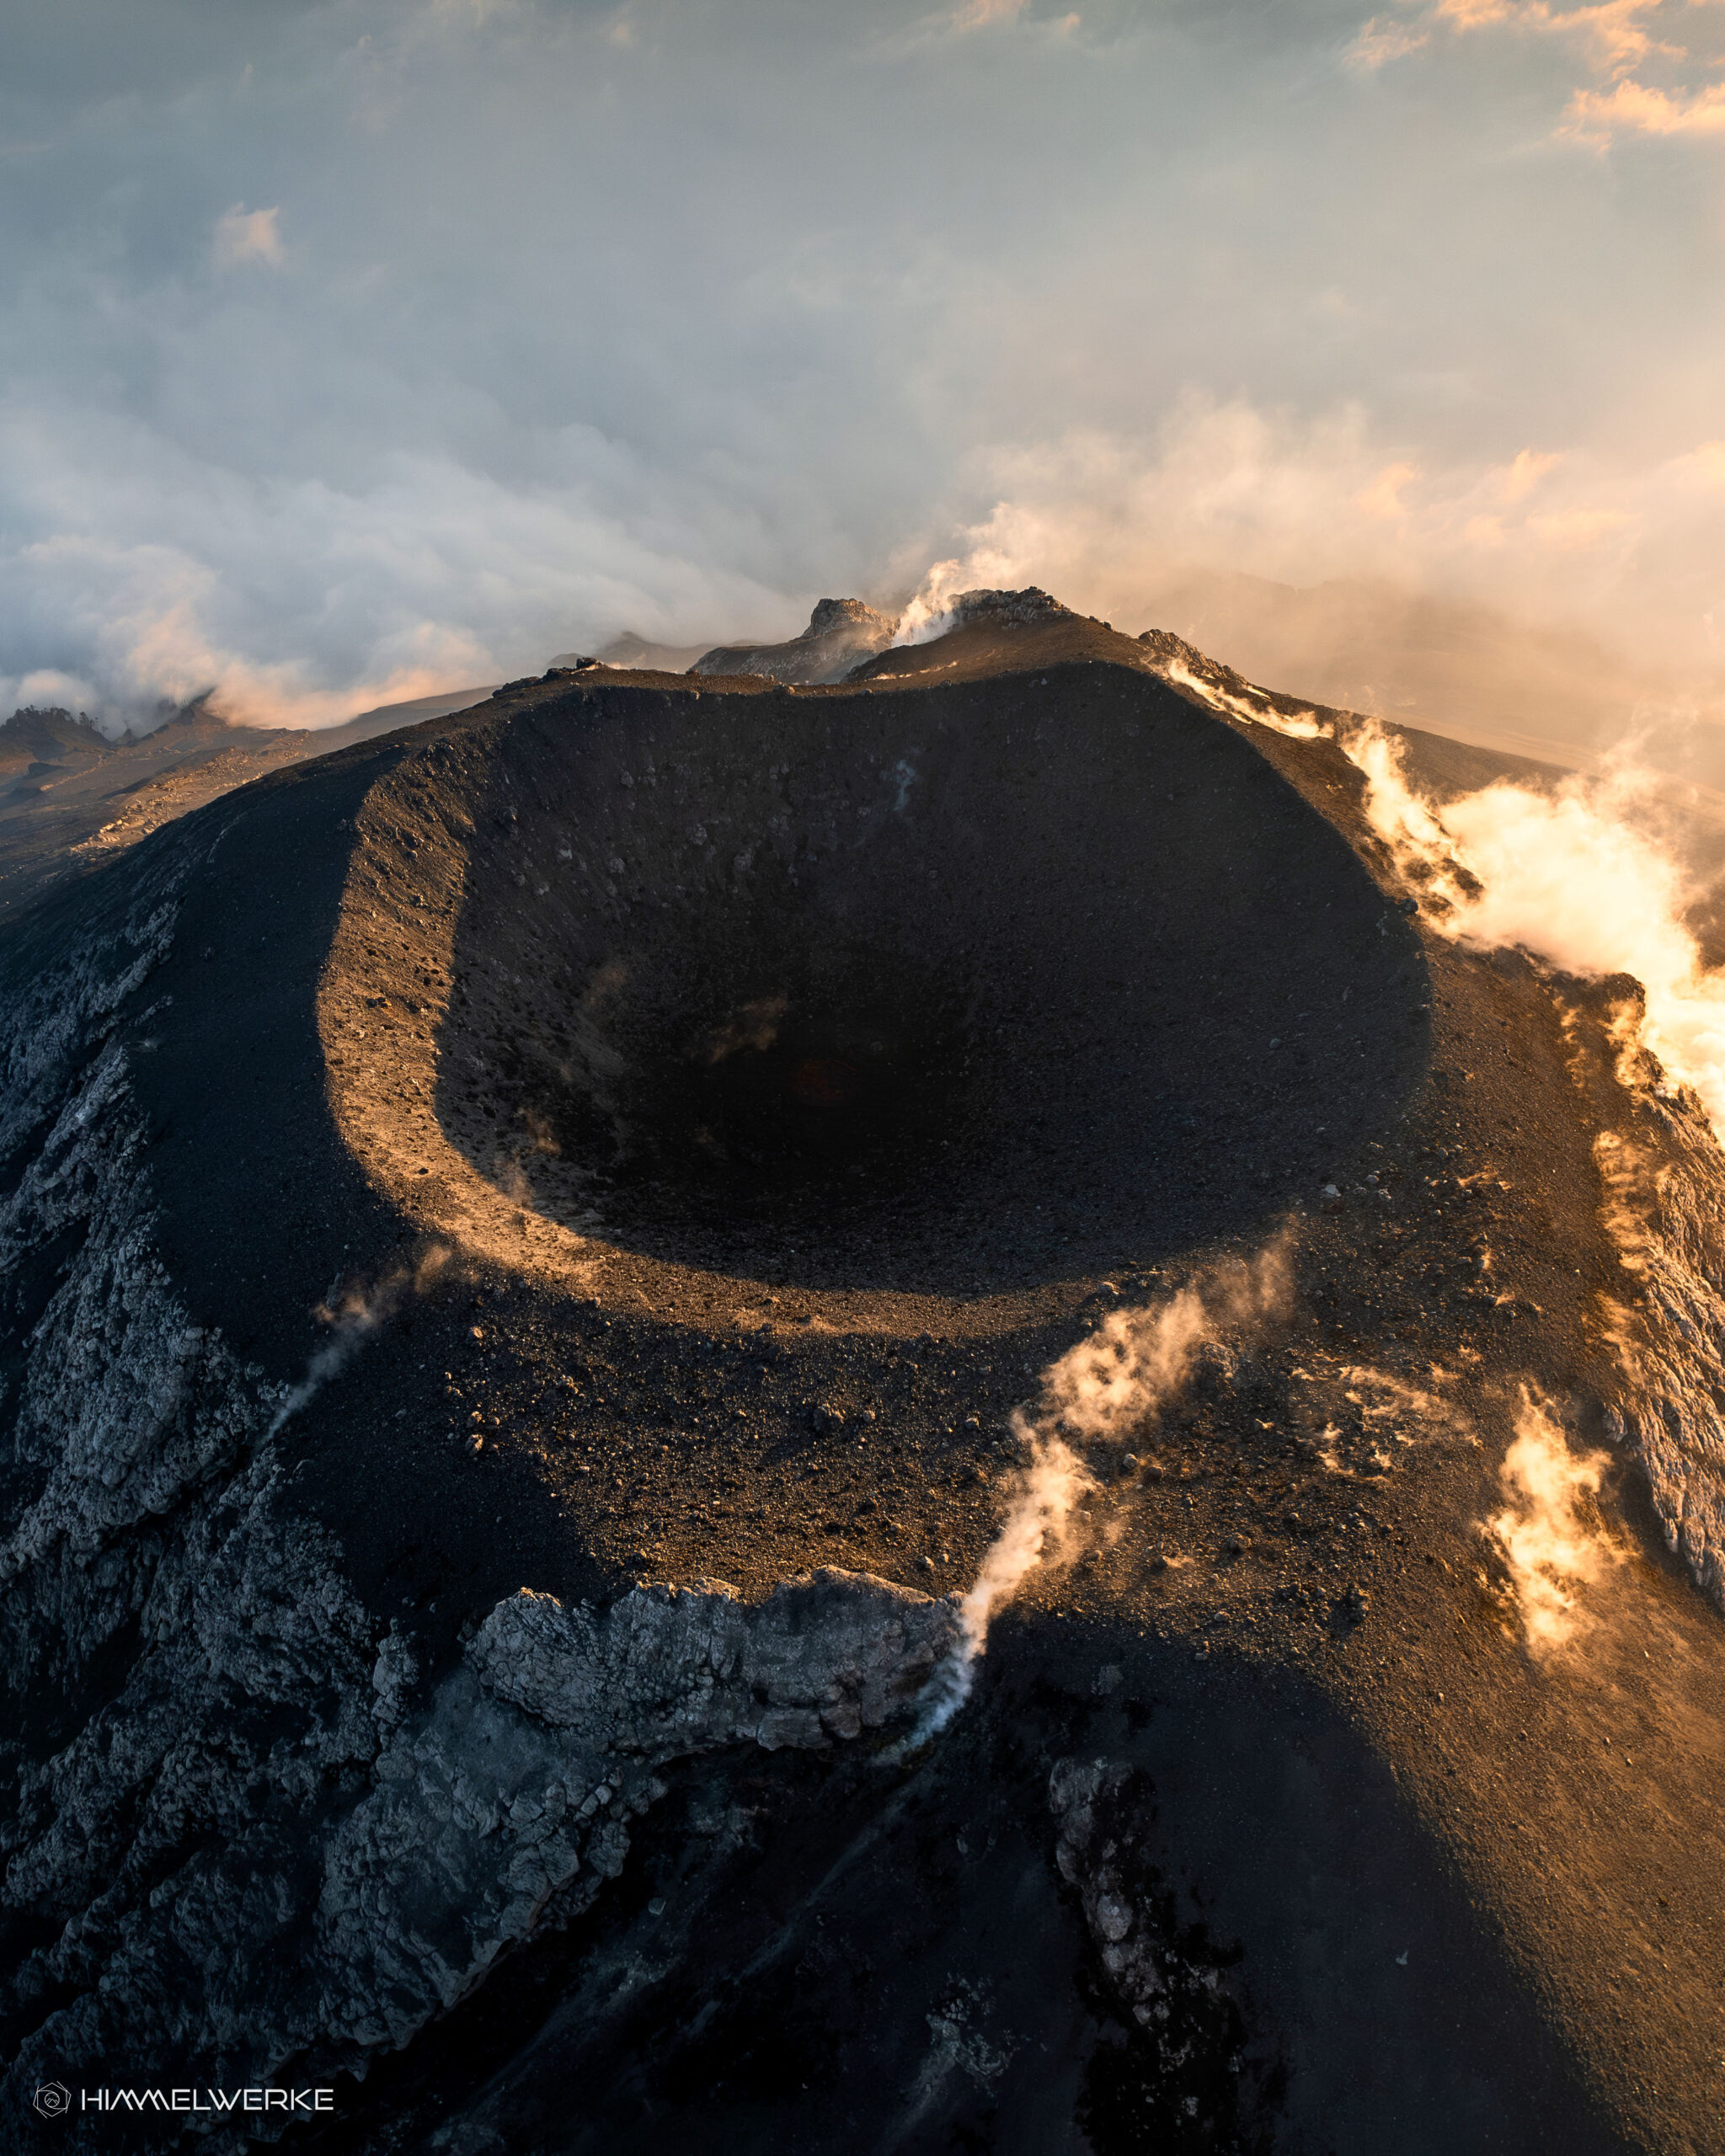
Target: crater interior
column 949, row 991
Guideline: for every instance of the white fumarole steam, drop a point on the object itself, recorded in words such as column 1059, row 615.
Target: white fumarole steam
column 359, row 1313
column 1109, row 1385
column 931, row 611
column 1298, row 726
column 1549, row 1547
column 1585, row 876
column 1589, row 877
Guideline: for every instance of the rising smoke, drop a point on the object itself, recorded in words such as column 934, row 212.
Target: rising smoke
column 1589, row 877
column 1298, row 726
column 1112, row 1385
column 354, row 1317
column 1600, row 874
column 1553, row 1549
column 1593, row 875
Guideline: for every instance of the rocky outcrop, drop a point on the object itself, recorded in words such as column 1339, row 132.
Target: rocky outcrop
column 250, row 1834
column 841, row 633
column 1168, row 1974
column 1185, row 668
column 665, row 1674
column 1029, row 608
column 268, row 1851
column 507, row 1802
column 1663, row 1183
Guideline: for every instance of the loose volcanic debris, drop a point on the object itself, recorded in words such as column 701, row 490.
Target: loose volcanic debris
column 792, row 1080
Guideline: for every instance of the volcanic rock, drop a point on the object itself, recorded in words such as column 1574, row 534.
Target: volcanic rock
column 439, row 1182
column 841, row 634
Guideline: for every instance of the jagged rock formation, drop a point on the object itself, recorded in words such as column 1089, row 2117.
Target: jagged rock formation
column 1662, row 1188
column 223, row 1701
column 1031, row 608
column 501, row 1805
column 1171, row 1979
column 841, row 633
column 1189, row 668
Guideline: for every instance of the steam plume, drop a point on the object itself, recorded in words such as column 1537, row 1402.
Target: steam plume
column 1586, row 877
column 1299, row 726
column 357, row 1315
column 1103, row 1389
column 1550, row 1549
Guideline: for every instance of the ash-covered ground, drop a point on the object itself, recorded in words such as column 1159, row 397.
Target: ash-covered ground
column 532, row 1251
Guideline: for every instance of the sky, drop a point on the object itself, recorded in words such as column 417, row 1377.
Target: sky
column 354, row 348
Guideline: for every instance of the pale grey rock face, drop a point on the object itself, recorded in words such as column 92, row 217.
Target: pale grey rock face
column 841, row 633
column 511, row 1796
column 1664, row 1183
column 455, row 1832
column 667, row 1672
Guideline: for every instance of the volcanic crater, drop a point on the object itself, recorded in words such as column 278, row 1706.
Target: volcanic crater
column 872, row 996
column 529, row 1250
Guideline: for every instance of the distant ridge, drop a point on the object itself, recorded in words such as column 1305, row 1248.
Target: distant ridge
column 633, row 655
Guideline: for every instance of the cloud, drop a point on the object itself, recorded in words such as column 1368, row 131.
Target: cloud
column 1611, row 37
column 1380, row 41
column 1382, row 497
column 978, row 14
column 1581, row 531
column 966, row 18
column 540, row 336
column 48, row 688
column 1615, row 39
column 243, row 235
column 1106, row 519
column 1525, row 472
column 422, row 582
column 1639, row 109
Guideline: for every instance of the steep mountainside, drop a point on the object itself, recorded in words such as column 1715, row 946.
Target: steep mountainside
column 538, row 1253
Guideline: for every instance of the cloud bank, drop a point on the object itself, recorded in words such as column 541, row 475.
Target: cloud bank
column 354, row 347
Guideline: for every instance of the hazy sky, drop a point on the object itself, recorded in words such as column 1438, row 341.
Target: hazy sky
column 363, row 346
